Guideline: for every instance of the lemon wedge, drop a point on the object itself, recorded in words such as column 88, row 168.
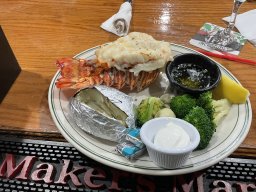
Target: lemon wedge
column 231, row 90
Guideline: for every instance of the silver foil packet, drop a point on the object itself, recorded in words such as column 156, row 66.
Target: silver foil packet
column 131, row 145
column 130, row 150
column 97, row 110
column 133, row 136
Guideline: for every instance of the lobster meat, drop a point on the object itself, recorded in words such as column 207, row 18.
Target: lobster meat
column 132, row 61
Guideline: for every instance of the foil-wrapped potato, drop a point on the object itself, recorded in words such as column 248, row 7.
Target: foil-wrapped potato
column 103, row 112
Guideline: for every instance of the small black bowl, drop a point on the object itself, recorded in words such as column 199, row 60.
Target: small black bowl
column 193, row 73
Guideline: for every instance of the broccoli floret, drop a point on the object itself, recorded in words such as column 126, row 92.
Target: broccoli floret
column 221, row 108
column 147, row 109
column 205, row 101
column 198, row 117
column 182, row 104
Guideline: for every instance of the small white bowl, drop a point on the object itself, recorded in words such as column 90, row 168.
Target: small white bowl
column 170, row 158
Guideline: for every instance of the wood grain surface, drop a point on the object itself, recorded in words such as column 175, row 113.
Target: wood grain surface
column 39, row 32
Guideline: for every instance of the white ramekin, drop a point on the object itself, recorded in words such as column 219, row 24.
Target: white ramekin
column 173, row 157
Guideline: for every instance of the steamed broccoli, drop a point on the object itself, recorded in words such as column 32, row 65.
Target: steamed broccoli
column 147, row 109
column 205, row 101
column 198, row 117
column 182, row 104
column 215, row 109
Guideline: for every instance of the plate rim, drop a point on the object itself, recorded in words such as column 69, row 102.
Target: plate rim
column 145, row 171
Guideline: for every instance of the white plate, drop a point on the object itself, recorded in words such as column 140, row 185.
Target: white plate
column 228, row 136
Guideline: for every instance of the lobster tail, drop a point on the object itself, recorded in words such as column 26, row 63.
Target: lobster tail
column 80, row 73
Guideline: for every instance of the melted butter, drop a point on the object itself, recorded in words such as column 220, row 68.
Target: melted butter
column 195, row 84
column 171, row 136
column 191, row 76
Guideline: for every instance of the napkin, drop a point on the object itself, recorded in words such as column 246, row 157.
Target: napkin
column 245, row 23
column 119, row 23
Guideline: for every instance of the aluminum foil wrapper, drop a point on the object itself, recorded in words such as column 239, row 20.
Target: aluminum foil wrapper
column 97, row 123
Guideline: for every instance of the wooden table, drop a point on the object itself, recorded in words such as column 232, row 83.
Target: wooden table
column 39, row 32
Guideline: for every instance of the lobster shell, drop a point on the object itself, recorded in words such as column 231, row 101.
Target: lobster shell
column 80, row 73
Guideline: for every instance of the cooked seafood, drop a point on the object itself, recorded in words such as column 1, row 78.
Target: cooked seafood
column 133, row 61
column 80, row 73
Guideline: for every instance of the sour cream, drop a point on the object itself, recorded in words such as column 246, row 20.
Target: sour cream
column 171, row 136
